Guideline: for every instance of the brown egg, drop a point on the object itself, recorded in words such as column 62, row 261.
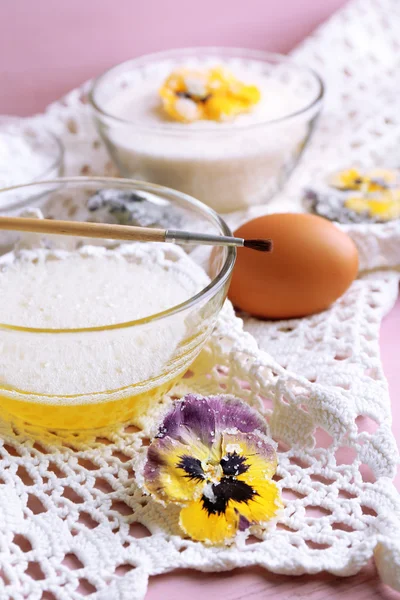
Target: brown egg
column 311, row 265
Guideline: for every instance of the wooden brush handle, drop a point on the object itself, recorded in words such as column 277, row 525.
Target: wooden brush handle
column 90, row 230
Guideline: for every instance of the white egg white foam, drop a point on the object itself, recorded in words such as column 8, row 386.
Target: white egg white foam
column 92, row 287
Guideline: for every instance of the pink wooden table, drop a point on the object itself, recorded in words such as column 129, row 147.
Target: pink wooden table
column 257, row 584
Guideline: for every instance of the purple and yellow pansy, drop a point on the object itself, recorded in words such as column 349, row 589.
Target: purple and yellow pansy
column 355, row 195
column 377, row 192
column 212, row 457
column 213, row 94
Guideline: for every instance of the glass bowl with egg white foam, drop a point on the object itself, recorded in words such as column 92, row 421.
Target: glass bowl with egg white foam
column 28, row 152
column 229, row 165
column 94, row 333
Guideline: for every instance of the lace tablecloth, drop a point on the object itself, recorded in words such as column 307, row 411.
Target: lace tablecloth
column 74, row 521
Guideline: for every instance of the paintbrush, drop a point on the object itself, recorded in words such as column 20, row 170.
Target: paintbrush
column 127, row 233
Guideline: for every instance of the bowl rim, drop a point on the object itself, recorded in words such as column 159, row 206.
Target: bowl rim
column 205, row 293
column 56, row 163
column 222, row 50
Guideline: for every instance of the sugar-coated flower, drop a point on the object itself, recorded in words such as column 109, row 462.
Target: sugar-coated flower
column 189, row 95
column 377, row 192
column 358, row 196
column 212, row 457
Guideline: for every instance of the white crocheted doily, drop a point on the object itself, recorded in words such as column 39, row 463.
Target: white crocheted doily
column 73, row 517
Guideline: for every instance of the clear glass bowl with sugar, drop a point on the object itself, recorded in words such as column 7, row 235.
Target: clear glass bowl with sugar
column 93, row 335
column 230, row 165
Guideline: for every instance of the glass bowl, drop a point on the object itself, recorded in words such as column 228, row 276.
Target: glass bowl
column 229, row 166
column 36, row 360
column 42, row 142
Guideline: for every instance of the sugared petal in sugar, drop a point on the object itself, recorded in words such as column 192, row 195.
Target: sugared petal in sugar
column 211, row 94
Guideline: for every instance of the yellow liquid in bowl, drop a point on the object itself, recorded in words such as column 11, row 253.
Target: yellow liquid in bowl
column 84, row 416
column 98, row 376
column 117, row 406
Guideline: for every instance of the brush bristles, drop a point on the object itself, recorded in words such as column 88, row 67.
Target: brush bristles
column 260, row 245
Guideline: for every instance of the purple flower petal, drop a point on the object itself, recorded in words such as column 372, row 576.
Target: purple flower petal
column 153, row 464
column 243, row 523
column 205, row 417
column 232, row 412
column 194, row 413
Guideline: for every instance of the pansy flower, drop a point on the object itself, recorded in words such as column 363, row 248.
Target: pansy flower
column 358, row 196
column 212, row 457
column 214, row 94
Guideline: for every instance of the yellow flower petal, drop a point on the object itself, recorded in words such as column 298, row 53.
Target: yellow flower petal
column 356, row 203
column 260, row 463
column 261, row 458
column 222, row 106
column 350, row 179
column 249, row 94
column 386, row 208
column 264, row 505
column 204, row 527
column 165, row 479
